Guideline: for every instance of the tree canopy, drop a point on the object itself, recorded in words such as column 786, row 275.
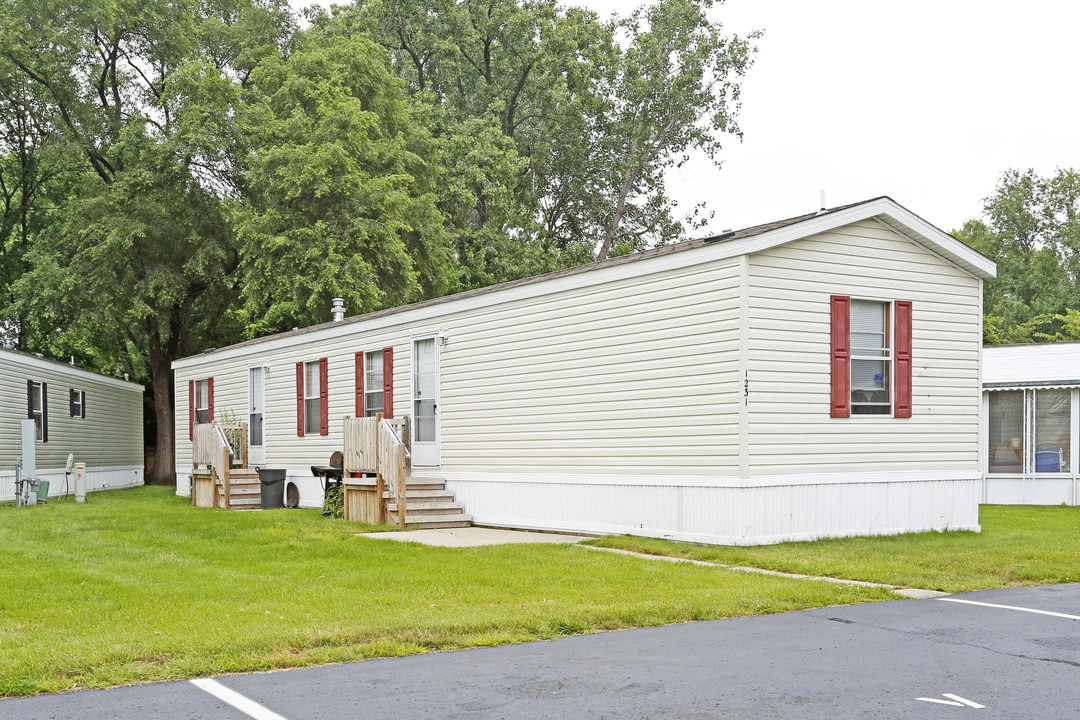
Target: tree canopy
column 176, row 176
column 1031, row 229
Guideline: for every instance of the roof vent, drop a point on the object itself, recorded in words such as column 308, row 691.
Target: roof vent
column 822, row 210
column 337, row 312
column 724, row 235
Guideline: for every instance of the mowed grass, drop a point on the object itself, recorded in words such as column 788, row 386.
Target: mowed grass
column 1018, row 545
column 136, row 585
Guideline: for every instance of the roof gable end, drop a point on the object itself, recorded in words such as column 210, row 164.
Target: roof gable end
column 886, row 211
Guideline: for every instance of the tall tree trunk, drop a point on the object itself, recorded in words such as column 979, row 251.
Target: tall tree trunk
column 164, row 472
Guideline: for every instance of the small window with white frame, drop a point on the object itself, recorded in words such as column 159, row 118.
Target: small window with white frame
column 202, row 401
column 312, row 398
column 37, row 411
column 373, row 383
column 871, row 358
column 77, row 403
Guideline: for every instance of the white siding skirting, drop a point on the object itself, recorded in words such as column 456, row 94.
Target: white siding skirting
column 97, row 478
column 1040, row 490
column 721, row 510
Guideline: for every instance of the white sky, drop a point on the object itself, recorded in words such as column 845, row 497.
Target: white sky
column 927, row 101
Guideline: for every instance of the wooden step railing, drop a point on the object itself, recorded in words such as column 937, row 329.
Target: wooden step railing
column 213, row 445
column 375, row 445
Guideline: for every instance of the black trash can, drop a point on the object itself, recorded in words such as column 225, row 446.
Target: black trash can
column 272, row 488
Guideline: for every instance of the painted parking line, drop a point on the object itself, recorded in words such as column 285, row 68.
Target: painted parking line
column 954, row 700
column 1011, row 607
column 245, row 705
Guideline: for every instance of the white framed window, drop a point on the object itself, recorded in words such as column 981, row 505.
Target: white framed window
column 77, row 403
column 202, row 401
column 373, row 383
column 312, row 397
column 37, row 408
column 871, row 358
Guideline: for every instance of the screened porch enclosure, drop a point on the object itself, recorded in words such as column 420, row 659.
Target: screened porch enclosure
column 1030, row 436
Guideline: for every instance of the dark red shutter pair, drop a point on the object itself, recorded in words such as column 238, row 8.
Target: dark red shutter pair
column 191, row 405
column 840, row 358
column 388, row 383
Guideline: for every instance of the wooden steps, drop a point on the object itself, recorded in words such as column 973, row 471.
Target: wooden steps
column 245, row 492
column 428, row 505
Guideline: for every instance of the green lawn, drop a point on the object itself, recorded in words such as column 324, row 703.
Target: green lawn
column 136, row 585
column 1018, row 545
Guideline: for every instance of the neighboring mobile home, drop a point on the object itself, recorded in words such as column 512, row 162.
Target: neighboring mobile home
column 95, row 417
column 1031, row 397
column 813, row 377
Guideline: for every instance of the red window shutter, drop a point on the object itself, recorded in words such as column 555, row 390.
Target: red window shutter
column 300, row 399
column 359, row 375
column 324, row 398
column 840, row 403
column 191, row 410
column 902, row 362
column 210, row 399
column 388, row 382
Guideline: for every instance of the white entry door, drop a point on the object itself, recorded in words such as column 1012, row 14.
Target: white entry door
column 256, row 429
column 425, row 403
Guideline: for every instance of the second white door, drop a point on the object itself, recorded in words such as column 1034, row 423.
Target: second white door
column 425, row 403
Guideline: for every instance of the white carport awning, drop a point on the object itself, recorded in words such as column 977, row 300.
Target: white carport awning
column 1036, row 384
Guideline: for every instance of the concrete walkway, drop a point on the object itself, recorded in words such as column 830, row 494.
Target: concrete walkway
column 477, row 536
column 916, row 593
column 474, row 537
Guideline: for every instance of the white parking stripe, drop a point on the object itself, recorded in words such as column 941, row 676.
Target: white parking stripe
column 238, row 701
column 1011, row 607
column 969, row 703
column 941, row 702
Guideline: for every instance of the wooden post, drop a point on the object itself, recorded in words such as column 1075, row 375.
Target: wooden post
column 380, row 481
column 244, row 445
column 225, row 474
column 400, row 472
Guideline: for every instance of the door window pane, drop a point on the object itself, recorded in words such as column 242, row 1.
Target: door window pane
column 1006, row 432
column 425, row 421
column 424, row 389
column 255, row 416
column 1052, row 430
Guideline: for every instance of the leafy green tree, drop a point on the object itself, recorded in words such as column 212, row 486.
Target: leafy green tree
column 32, row 168
column 339, row 199
column 141, row 269
column 674, row 88
column 593, row 122
column 1031, row 229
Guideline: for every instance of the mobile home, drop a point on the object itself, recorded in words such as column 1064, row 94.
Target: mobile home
column 812, row 377
column 96, row 418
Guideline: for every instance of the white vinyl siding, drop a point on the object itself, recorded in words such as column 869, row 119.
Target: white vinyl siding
column 790, row 430
column 636, row 376
column 115, row 438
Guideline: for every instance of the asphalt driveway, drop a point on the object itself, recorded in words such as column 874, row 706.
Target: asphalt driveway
column 997, row 653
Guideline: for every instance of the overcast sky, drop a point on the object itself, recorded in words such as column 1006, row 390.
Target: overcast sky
column 927, row 101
